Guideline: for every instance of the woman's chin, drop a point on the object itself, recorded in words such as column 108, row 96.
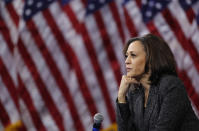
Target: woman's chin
column 130, row 74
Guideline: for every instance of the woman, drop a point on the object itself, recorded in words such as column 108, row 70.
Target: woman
column 151, row 97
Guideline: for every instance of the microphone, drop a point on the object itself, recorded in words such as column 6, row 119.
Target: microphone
column 98, row 118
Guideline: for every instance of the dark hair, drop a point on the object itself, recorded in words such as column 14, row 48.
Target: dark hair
column 159, row 58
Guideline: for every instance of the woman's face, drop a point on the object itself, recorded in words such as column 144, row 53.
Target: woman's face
column 135, row 59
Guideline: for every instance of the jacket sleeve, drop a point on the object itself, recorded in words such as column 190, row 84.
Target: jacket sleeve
column 174, row 104
column 123, row 117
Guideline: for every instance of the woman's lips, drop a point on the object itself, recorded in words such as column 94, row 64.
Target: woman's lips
column 128, row 69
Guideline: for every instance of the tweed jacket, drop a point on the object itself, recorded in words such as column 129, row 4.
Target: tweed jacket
column 168, row 108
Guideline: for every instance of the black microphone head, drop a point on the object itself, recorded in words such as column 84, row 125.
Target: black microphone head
column 98, row 118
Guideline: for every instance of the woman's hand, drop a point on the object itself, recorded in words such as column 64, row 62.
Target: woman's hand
column 124, row 85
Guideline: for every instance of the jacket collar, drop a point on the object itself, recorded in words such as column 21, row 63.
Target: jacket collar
column 152, row 99
column 142, row 117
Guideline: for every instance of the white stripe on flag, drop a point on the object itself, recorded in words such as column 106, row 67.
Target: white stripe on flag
column 8, row 103
column 195, row 34
column 136, row 17
column 79, row 9
column 10, row 24
column 8, row 59
column 18, row 5
column 26, row 117
column 122, row 18
column 35, row 95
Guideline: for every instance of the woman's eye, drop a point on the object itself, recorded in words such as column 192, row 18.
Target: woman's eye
column 133, row 55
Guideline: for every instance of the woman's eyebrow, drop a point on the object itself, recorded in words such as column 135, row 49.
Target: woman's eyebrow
column 131, row 52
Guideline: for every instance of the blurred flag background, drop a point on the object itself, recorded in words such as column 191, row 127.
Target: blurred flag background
column 61, row 61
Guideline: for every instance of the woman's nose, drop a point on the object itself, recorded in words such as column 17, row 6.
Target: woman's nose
column 127, row 61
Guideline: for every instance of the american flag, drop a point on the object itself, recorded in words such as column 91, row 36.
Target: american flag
column 61, row 61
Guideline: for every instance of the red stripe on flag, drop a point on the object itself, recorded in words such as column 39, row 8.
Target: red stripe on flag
column 5, row 120
column 13, row 14
column 6, row 34
column 190, row 89
column 27, row 99
column 150, row 25
column 130, row 25
column 74, row 21
column 6, row 78
column 108, row 47
column 139, row 3
column 41, row 86
column 190, row 15
column 53, row 67
column 186, row 43
column 116, row 15
column 90, row 49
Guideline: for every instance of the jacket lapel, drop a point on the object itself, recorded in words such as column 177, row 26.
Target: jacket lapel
column 150, row 104
column 141, row 117
column 137, row 99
